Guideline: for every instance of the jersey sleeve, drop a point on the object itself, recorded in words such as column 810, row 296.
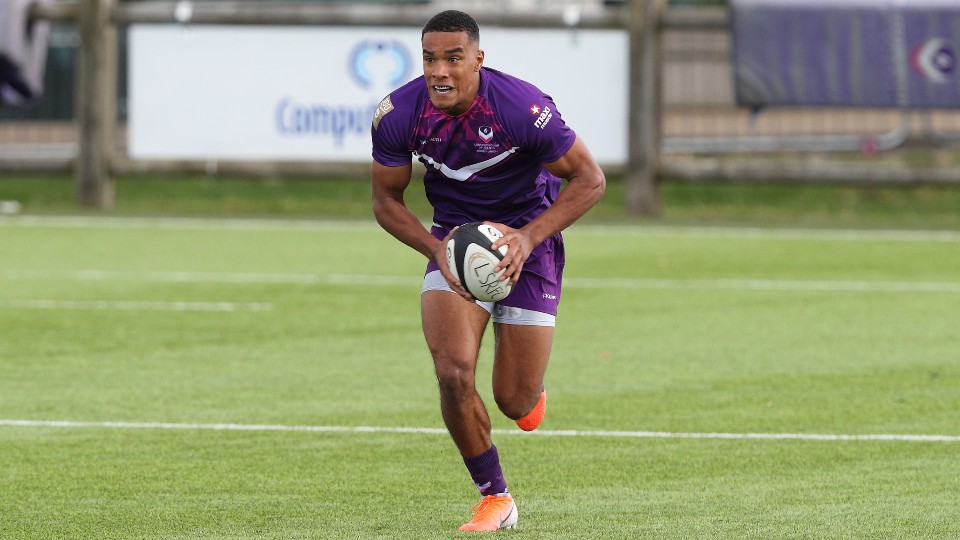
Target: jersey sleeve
column 389, row 135
column 536, row 123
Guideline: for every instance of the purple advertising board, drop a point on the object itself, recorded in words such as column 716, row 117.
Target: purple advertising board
column 847, row 53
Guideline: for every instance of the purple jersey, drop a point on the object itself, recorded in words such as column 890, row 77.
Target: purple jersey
column 486, row 164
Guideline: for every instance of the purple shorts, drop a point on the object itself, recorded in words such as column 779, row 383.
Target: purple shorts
column 538, row 288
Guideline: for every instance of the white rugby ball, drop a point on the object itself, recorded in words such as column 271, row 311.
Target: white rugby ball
column 470, row 259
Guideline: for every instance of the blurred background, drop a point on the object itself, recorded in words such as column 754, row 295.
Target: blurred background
column 658, row 80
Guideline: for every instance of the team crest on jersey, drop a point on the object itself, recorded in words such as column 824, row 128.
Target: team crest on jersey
column 383, row 108
column 485, row 132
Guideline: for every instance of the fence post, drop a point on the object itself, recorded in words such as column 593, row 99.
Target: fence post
column 96, row 103
column 642, row 194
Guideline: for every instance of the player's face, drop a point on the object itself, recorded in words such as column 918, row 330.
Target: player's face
column 451, row 67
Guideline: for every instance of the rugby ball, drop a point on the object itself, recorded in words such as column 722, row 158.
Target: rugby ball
column 472, row 261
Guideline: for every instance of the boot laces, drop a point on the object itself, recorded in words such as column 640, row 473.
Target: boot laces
column 488, row 500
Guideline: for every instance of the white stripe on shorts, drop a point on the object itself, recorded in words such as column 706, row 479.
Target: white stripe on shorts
column 501, row 314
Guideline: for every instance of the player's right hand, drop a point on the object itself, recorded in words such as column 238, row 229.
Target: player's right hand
column 440, row 256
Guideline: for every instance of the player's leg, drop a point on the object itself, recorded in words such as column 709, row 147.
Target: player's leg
column 523, row 324
column 520, row 363
column 453, row 329
column 524, row 338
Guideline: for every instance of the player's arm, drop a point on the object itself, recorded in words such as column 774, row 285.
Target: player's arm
column 392, row 214
column 585, row 186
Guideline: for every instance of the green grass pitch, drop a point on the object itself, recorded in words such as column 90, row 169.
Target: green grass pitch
column 673, row 344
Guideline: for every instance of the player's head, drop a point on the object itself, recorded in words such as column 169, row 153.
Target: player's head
column 451, row 60
column 453, row 21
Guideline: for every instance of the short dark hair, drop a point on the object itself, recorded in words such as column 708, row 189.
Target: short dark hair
column 453, row 21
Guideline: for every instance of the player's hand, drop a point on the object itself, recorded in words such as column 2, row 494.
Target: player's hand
column 440, row 256
column 519, row 246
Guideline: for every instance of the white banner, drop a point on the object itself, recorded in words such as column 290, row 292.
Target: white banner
column 308, row 94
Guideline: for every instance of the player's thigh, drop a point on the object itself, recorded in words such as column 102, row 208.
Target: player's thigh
column 520, row 360
column 453, row 328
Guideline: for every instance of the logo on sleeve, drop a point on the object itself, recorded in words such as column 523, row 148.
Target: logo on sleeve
column 534, row 109
column 485, row 133
column 383, row 108
column 545, row 115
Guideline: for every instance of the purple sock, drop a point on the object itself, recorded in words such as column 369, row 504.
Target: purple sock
column 486, row 473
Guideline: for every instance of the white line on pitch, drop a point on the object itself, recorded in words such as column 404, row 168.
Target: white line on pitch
column 412, row 280
column 215, row 277
column 766, row 284
column 438, row 431
column 134, row 305
column 266, row 224
column 228, row 224
column 840, row 235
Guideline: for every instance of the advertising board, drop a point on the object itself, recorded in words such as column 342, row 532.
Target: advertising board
column 309, row 93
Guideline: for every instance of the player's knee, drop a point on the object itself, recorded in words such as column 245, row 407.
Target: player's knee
column 515, row 402
column 455, row 378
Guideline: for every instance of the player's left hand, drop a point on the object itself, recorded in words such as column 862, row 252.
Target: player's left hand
column 519, row 246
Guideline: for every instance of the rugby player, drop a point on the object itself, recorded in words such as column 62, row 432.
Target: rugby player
column 495, row 149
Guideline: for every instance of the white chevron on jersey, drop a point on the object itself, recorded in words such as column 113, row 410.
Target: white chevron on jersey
column 463, row 174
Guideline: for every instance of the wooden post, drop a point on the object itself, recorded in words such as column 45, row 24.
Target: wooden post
column 642, row 194
column 96, row 103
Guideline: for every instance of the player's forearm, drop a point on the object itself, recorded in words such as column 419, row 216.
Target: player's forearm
column 399, row 221
column 579, row 196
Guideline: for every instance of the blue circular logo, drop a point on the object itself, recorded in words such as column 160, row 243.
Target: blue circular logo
column 374, row 62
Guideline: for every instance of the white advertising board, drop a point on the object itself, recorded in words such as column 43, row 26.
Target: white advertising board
column 308, row 94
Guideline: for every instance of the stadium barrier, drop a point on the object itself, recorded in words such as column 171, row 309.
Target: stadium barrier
column 98, row 155
column 683, row 119
column 829, row 55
